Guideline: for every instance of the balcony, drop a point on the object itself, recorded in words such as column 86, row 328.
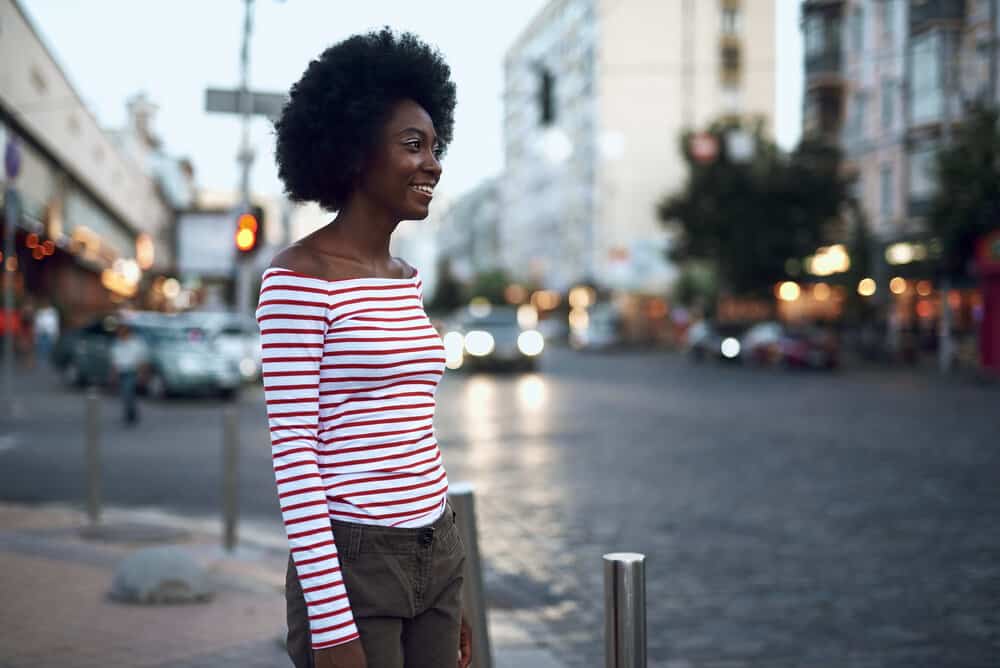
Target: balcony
column 924, row 13
column 825, row 63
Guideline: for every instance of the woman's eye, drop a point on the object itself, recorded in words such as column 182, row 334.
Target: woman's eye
column 413, row 145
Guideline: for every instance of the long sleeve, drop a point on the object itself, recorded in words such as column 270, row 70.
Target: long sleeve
column 292, row 314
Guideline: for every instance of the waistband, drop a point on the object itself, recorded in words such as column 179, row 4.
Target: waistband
column 447, row 517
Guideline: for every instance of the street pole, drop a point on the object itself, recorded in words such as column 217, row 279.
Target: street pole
column 12, row 212
column 12, row 216
column 944, row 321
column 245, row 158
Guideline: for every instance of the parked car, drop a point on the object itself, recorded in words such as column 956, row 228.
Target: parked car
column 810, row 347
column 761, row 344
column 181, row 359
column 490, row 337
column 235, row 337
column 707, row 340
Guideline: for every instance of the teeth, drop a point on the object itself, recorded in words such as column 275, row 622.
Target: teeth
column 429, row 190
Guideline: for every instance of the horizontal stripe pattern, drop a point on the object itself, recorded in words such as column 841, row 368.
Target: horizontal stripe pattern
column 350, row 373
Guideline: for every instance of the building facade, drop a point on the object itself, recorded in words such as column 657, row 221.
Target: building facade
column 597, row 94
column 884, row 79
column 92, row 220
column 469, row 231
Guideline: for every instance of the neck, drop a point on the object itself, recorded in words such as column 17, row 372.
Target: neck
column 364, row 229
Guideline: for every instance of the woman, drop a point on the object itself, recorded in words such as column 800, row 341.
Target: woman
column 351, row 364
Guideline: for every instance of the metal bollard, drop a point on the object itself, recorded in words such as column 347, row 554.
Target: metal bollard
column 93, row 447
column 625, row 610
column 462, row 499
column 230, row 477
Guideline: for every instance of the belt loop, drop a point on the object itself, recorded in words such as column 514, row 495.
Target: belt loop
column 355, row 546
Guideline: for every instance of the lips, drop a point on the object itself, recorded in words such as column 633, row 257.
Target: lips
column 425, row 189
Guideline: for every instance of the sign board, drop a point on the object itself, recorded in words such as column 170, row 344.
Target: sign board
column 225, row 101
column 205, row 245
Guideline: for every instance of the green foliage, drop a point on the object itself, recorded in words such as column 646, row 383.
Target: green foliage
column 491, row 285
column 966, row 204
column 747, row 218
column 696, row 285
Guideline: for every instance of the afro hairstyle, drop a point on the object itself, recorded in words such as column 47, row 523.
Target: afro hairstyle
column 331, row 122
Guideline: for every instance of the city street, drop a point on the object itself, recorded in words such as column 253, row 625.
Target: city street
column 789, row 519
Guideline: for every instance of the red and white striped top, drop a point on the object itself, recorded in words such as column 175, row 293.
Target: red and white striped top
column 350, row 371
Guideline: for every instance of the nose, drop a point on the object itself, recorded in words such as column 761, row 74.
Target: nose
column 432, row 165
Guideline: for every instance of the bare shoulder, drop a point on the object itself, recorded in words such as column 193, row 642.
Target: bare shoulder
column 300, row 259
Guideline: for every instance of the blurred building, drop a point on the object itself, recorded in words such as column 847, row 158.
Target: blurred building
column 597, row 94
column 469, row 232
column 94, row 223
column 883, row 78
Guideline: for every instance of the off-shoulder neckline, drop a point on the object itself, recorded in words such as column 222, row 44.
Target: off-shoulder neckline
column 289, row 272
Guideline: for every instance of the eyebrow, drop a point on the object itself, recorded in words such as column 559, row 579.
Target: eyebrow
column 419, row 132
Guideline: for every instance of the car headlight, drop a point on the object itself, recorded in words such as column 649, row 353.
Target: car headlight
column 454, row 344
column 530, row 342
column 730, row 348
column 248, row 368
column 479, row 343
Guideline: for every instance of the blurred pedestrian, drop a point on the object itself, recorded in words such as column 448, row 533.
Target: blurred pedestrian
column 351, row 366
column 46, row 330
column 128, row 354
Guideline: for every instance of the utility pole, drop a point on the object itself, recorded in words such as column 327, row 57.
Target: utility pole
column 243, row 266
column 950, row 60
column 12, row 215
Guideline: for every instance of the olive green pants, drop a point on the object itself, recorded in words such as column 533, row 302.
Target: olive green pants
column 405, row 589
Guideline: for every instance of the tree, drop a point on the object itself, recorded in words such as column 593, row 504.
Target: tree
column 491, row 285
column 747, row 218
column 966, row 203
column 449, row 293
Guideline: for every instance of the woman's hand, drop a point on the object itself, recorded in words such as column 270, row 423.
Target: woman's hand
column 465, row 645
column 349, row 655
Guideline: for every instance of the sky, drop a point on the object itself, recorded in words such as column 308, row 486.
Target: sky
column 112, row 49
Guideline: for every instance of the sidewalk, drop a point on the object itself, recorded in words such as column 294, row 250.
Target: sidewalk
column 55, row 576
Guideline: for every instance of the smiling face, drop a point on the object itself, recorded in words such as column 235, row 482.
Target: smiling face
column 403, row 170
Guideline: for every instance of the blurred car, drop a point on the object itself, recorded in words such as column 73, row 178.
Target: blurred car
column 486, row 336
column 810, row 347
column 602, row 330
column 707, row 340
column 181, row 359
column 761, row 344
column 235, row 337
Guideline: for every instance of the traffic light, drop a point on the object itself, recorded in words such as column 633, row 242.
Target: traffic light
column 248, row 229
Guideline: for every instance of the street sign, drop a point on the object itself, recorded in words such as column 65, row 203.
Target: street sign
column 225, row 101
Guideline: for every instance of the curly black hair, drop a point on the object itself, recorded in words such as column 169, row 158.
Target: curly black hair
column 334, row 113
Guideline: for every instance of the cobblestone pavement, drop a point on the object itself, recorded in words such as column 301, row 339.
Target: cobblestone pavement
column 788, row 519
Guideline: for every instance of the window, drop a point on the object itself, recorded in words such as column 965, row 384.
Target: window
column 886, row 15
column 926, row 87
column 730, row 21
column 856, row 126
column 886, row 191
column 546, row 97
column 888, row 102
column 858, row 29
column 921, row 172
column 730, row 63
column 815, row 37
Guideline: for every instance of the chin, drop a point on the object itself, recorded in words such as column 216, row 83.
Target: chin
column 417, row 213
